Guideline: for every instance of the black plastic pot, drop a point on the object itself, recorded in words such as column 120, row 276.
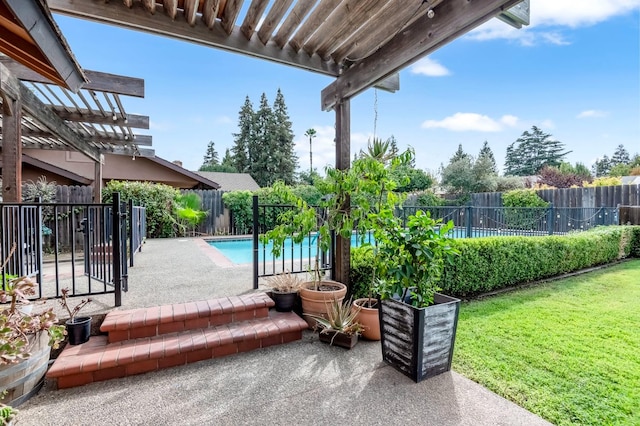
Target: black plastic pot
column 79, row 330
column 284, row 301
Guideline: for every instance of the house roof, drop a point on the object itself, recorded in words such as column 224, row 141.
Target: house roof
column 204, row 180
column 232, row 181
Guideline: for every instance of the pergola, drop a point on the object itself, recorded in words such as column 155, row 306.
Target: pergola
column 49, row 102
column 362, row 43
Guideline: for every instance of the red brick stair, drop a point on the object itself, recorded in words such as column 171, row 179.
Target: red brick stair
column 143, row 340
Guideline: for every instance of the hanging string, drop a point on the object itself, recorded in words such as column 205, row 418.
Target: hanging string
column 375, row 111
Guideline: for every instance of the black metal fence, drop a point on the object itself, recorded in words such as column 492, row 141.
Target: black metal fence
column 469, row 222
column 93, row 263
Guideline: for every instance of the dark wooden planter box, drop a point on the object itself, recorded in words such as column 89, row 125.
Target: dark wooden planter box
column 419, row 341
column 343, row 340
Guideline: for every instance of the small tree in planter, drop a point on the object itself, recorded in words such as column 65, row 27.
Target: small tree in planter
column 418, row 325
column 367, row 185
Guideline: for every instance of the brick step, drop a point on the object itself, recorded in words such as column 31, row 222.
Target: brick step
column 99, row 360
column 159, row 320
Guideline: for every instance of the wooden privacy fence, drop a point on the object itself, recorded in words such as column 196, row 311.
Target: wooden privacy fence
column 590, row 197
column 629, row 215
column 218, row 220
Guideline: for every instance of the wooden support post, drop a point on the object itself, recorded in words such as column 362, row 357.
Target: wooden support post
column 97, row 181
column 11, row 150
column 343, row 160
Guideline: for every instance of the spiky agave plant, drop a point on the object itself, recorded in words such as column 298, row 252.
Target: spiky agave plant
column 340, row 318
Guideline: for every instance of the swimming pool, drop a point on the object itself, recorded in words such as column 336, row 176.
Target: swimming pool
column 240, row 250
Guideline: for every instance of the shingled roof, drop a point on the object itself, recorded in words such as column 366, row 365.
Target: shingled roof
column 232, row 181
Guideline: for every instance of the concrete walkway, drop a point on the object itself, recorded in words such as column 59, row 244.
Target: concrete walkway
column 301, row 383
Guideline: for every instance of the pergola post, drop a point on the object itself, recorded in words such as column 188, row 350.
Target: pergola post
column 11, row 150
column 97, row 180
column 343, row 161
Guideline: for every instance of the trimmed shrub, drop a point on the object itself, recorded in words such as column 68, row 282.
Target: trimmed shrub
column 487, row 264
column 157, row 198
column 361, row 271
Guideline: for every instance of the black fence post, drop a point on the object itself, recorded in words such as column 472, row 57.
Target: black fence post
column 131, row 231
column 256, row 232
column 551, row 219
column 469, row 221
column 39, row 244
column 115, row 247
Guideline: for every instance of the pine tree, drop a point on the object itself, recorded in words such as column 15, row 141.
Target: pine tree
column 284, row 155
column 532, row 151
column 211, row 156
column 263, row 148
column 242, row 139
column 227, row 160
column 621, row 156
column 602, row 167
column 459, row 155
column 486, row 157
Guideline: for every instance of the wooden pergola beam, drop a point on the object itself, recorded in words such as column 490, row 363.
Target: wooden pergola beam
column 87, row 116
column 109, row 138
column 452, row 19
column 36, row 19
column 225, row 36
column 98, row 81
column 42, row 114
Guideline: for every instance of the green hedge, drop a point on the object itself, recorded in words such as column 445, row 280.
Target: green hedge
column 487, row 264
column 493, row 263
column 361, row 271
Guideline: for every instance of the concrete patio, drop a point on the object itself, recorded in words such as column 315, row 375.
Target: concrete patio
column 305, row 382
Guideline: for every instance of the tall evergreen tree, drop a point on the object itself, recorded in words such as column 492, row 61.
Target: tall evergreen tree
column 227, row 160
column 211, row 156
column 602, row 166
column 284, row 155
column 263, row 148
column 243, row 139
column 621, row 156
column 532, row 151
column 459, row 155
column 487, row 159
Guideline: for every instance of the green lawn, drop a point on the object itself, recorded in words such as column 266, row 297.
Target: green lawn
column 568, row 351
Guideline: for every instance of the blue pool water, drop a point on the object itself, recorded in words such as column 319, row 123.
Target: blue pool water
column 240, row 250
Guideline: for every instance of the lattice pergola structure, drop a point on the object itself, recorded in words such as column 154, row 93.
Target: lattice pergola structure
column 362, row 43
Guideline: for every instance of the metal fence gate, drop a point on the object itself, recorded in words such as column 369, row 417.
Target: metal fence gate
column 86, row 248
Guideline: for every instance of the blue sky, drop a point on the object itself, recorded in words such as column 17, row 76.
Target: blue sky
column 574, row 72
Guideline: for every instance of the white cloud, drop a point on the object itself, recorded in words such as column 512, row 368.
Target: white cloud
column 430, row 68
column 592, row 113
column 549, row 17
column 469, row 121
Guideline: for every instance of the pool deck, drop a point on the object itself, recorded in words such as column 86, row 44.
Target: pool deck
column 301, row 383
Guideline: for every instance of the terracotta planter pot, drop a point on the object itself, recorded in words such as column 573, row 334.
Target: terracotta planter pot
column 369, row 318
column 315, row 302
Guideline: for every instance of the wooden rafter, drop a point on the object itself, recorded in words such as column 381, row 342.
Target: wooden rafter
column 101, row 138
column 275, row 15
column 256, row 10
column 452, row 19
column 315, row 19
column 86, row 116
column 98, row 81
column 291, row 22
column 138, row 18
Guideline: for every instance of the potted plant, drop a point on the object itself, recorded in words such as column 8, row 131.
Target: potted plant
column 78, row 328
column 418, row 325
column 284, row 290
column 7, row 414
column 367, row 185
column 26, row 339
column 340, row 327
